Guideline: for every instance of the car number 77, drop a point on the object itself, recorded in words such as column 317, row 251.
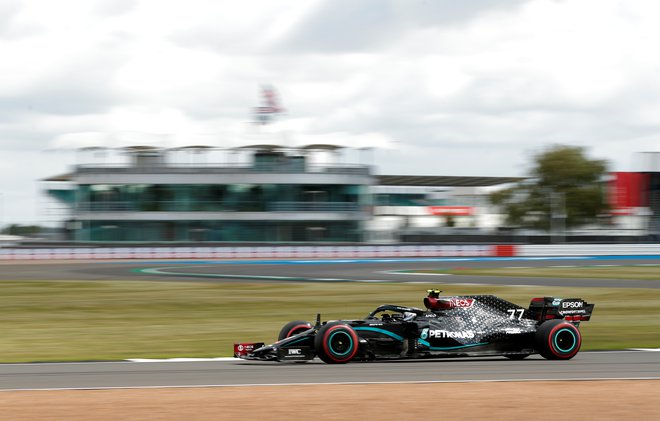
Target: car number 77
column 515, row 313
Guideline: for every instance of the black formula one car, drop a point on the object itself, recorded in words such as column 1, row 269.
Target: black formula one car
column 451, row 326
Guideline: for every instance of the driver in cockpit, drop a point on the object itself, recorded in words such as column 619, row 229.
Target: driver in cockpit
column 409, row 316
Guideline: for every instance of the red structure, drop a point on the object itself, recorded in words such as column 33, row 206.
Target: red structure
column 628, row 190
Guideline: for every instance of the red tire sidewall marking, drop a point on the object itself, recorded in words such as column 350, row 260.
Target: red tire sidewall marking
column 293, row 329
column 329, row 353
column 551, row 340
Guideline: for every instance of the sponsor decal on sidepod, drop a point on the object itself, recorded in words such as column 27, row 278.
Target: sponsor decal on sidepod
column 435, row 333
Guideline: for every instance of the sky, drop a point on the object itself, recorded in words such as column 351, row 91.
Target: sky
column 436, row 87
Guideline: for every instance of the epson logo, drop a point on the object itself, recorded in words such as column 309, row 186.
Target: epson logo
column 571, row 304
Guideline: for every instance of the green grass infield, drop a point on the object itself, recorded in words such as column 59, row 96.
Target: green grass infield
column 106, row 320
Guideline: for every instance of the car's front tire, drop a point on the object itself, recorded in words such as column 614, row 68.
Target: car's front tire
column 558, row 340
column 293, row 328
column 336, row 343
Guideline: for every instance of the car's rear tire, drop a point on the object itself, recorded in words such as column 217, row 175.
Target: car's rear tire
column 336, row 343
column 558, row 340
column 293, row 328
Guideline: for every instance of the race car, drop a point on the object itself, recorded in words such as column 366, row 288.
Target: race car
column 450, row 326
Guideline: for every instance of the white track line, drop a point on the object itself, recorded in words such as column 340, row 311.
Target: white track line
column 420, row 274
column 399, row 273
column 179, row 360
column 229, row 359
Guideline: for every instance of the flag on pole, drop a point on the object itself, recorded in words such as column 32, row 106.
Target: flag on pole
column 270, row 107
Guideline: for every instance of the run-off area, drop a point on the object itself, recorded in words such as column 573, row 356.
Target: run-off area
column 506, row 400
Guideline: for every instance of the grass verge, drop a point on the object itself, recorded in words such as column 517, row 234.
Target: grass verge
column 104, row 320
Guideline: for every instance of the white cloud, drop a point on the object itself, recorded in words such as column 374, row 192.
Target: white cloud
column 442, row 87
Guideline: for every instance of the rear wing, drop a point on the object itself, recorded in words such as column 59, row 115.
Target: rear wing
column 570, row 309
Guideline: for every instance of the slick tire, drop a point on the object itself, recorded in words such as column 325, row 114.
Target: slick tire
column 558, row 340
column 293, row 328
column 336, row 343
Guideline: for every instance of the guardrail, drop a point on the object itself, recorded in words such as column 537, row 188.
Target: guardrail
column 259, row 252
column 528, row 250
column 319, row 252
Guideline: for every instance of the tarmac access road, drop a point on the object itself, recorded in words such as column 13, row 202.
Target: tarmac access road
column 92, row 375
column 338, row 270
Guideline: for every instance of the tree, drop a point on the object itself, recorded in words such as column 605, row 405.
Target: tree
column 23, row 230
column 563, row 184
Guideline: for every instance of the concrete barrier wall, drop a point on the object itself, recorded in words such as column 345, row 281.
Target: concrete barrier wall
column 588, row 250
column 265, row 252
column 317, row 252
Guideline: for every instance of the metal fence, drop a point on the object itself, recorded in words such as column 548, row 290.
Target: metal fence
column 357, row 251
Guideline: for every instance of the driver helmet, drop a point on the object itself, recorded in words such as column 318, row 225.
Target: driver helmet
column 433, row 293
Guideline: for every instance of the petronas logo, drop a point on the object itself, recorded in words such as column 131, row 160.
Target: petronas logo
column 425, row 333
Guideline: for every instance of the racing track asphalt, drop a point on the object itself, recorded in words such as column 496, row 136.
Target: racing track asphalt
column 386, row 270
column 361, row 270
column 588, row 365
column 585, row 366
